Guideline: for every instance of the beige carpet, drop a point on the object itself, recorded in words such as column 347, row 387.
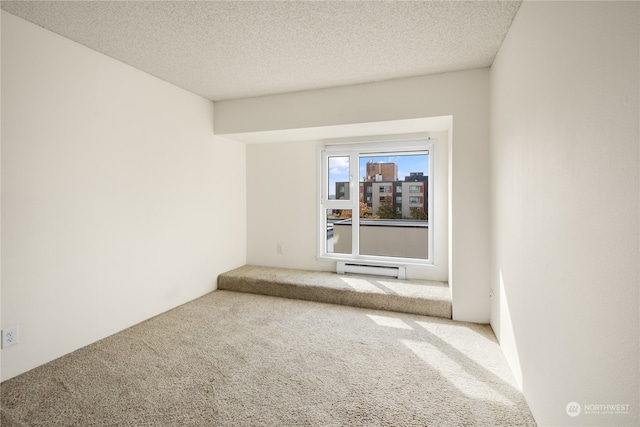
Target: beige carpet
column 234, row 359
column 413, row 296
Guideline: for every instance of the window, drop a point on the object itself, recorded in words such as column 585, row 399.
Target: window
column 389, row 228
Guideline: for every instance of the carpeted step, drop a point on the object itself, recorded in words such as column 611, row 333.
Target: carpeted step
column 381, row 293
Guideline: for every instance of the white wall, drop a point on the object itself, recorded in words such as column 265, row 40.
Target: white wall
column 118, row 202
column 271, row 217
column 565, row 207
column 281, row 205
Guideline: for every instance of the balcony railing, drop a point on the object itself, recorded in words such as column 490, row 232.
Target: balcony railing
column 401, row 238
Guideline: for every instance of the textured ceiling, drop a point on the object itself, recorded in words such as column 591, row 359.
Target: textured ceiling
column 225, row 50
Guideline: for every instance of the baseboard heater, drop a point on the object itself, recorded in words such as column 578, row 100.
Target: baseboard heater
column 372, row 270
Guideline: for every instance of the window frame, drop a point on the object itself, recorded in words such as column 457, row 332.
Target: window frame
column 354, row 151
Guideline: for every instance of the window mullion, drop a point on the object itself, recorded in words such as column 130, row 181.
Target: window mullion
column 354, row 182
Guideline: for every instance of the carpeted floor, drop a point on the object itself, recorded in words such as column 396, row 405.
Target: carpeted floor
column 234, row 359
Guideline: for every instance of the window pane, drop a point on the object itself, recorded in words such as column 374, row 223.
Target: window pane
column 338, row 231
column 338, row 185
column 392, row 225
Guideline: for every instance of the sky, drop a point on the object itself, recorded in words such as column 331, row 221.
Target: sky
column 339, row 167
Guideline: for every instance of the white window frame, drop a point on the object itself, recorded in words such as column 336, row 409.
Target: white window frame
column 354, row 152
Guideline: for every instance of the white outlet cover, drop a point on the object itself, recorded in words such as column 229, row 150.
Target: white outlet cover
column 9, row 336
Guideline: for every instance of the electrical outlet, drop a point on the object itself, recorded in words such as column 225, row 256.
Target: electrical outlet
column 280, row 248
column 9, row 336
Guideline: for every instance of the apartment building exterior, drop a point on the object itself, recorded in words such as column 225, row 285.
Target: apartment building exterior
column 405, row 196
column 380, row 171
